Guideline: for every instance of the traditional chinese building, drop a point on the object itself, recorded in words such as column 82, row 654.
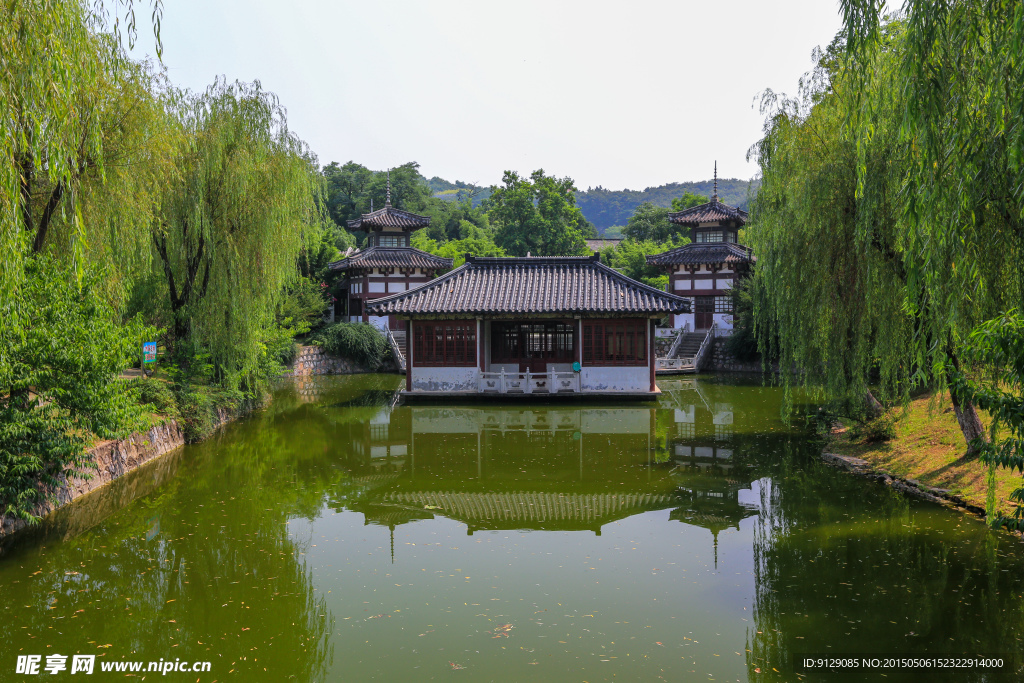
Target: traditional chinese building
column 519, row 326
column 387, row 265
column 705, row 270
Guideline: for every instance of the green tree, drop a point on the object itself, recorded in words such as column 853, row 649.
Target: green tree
column 346, row 190
column 59, row 389
column 831, row 260
column 688, row 201
column 232, row 226
column 629, row 257
column 537, row 215
column 471, row 240
column 997, row 347
column 955, row 86
column 649, row 223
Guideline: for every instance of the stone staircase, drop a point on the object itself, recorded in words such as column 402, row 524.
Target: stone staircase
column 690, row 344
column 399, row 348
column 681, row 357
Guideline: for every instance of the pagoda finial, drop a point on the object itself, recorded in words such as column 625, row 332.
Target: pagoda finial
column 714, row 197
column 388, row 203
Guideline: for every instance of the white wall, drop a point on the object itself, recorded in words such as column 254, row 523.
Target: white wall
column 378, row 321
column 723, row 321
column 615, row 379
column 444, row 379
column 683, row 318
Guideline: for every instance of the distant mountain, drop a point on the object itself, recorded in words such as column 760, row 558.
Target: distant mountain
column 605, row 208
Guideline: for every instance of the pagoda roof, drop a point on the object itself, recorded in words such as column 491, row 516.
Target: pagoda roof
column 713, row 211
column 537, row 285
column 694, row 254
column 391, row 257
column 389, row 217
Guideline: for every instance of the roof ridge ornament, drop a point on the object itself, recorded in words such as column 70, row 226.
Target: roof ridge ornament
column 714, row 197
column 388, row 202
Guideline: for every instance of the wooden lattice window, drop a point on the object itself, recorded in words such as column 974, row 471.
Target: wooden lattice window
column 614, row 342
column 448, row 343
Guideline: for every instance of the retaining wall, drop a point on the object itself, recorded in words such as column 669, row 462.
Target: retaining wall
column 311, row 360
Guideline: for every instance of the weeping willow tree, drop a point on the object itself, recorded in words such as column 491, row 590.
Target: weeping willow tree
column 904, row 153
column 231, row 225
column 59, row 81
column 960, row 102
column 829, row 288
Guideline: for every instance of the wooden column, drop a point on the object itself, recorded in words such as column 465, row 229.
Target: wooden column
column 650, row 351
column 408, row 355
column 480, row 343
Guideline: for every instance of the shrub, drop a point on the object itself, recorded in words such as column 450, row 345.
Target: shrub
column 881, row 428
column 157, row 394
column 359, row 342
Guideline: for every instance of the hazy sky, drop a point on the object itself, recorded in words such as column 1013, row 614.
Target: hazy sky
column 623, row 95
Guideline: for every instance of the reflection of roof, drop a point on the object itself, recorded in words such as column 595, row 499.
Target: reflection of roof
column 551, row 285
column 391, row 257
column 708, row 213
column 528, row 508
column 389, row 217
column 705, row 252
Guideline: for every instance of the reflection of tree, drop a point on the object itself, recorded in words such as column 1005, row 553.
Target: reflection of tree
column 841, row 566
column 221, row 581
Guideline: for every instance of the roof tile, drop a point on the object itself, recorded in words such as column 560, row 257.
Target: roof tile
column 391, row 257
column 544, row 285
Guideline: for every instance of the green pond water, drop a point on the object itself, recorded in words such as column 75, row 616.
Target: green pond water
column 338, row 536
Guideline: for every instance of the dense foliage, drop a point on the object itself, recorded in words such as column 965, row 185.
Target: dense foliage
column 606, row 208
column 360, row 342
column 538, row 215
column 63, row 346
column 997, row 346
column 125, row 205
column 894, row 181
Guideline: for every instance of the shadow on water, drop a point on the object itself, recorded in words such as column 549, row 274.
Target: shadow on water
column 340, row 533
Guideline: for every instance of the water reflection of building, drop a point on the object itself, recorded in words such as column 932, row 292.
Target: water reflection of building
column 555, row 468
column 573, row 468
column 706, row 458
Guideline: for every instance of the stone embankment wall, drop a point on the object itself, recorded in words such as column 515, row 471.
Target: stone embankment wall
column 110, row 460
column 311, row 360
column 723, row 361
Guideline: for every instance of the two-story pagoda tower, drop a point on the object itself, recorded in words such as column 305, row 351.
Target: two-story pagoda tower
column 387, row 265
column 706, row 269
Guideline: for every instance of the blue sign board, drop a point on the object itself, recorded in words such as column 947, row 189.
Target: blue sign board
column 149, row 352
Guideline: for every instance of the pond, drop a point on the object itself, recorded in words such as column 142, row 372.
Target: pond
column 339, row 535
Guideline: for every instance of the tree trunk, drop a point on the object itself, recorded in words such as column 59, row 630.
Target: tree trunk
column 966, row 415
column 970, row 423
column 874, row 408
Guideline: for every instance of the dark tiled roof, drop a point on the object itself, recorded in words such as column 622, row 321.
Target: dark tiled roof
column 391, row 257
column 707, row 252
column 542, row 285
column 710, row 212
column 389, row 217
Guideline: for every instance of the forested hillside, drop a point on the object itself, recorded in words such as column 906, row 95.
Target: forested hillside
column 605, row 208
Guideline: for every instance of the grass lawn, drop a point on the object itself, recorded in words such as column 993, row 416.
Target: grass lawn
column 929, row 448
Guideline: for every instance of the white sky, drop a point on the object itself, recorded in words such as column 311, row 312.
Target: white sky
column 623, row 95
